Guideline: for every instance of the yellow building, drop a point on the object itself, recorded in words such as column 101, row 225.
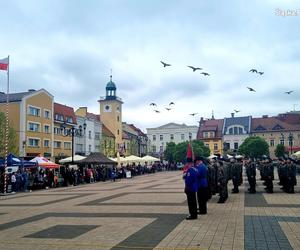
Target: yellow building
column 31, row 115
column 210, row 132
column 111, row 113
column 283, row 129
column 108, row 142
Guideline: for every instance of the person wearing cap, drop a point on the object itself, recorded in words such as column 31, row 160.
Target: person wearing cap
column 202, row 193
column 222, row 182
column 269, row 175
column 191, row 187
column 291, row 176
column 251, row 175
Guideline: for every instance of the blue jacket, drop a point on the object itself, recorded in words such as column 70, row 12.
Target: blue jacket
column 191, row 183
column 202, row 175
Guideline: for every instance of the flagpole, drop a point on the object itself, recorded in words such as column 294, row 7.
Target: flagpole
column 6, row 130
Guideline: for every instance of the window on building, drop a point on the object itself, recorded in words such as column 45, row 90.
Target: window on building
column 231, row 131
column 57, row 144
column 153, row 149
column 57, row 131
column 161, row 137
column 97, row 135
column 47, row 114
column 34, row 111
column 67, row 145
column 161, row 149
column 58, row 117
column 236, row 145
column 69, row 119
column 235, row 130
column 79, row 147
column 46, row 143
column 207, row 145
column 154, row 137
column 118, row 131
column 240, row 131
column 46, row 129
column 272, row 143
column 171, row 137
column 282, row 141
column 215, row 146
column 34, row 127
column 97, row 148
column 182, row 137
column 90, row 134
column 226, row 145
column 205, row 135
column 90, row 148
column 33, row 142
column 212, row 134
column 118, row 118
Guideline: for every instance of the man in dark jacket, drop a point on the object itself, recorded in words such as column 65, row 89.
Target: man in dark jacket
column 202, row 193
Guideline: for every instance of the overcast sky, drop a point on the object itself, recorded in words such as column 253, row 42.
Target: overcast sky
column 69, row 46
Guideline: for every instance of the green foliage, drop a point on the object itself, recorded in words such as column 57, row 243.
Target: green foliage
column 280, row 150
column 170, row 151
column 177, row 152
column 12, row 137
column 254, row 147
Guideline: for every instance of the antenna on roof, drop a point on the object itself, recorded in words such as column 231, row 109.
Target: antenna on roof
column 212, row 115
column 111, row 75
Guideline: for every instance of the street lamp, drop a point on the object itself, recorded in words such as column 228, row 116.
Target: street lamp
column 71, row 131
column 291, row 138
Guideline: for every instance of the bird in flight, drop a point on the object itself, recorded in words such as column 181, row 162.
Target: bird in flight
column 253, row 70
column 168, row 109
column 251, row 89
column 153, row 104
column 261, row 73
column 156, row 111
column 204, row 73
column 194, row 68
column 193, row 114
column 165, row 64
column 171, row 103
column 289, row 92
column 236, row 111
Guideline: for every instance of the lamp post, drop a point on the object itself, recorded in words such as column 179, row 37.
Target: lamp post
column 291, row 138
column 71, row 131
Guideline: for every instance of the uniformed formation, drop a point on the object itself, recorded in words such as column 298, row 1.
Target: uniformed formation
column 204, row 178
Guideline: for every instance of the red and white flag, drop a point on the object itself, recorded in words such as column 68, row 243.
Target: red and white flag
column 4, row 64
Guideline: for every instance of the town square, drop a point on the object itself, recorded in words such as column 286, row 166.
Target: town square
column 130, row 124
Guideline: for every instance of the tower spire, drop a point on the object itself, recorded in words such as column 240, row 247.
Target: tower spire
column 111, row 75
column 212, row 115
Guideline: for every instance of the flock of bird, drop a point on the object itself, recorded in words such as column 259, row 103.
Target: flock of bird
column 171, row 104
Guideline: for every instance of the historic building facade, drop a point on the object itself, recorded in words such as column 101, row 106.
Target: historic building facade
column 210, row 132
column 171, row 132
column 31, row 115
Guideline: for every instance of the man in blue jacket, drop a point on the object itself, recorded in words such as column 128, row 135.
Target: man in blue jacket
column 202, row 192
column 191, row 187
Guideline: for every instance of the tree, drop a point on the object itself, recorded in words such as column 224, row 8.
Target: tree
column 12, row 137
column 254, row 147
column 178, row 151
column 170, row 151
column 280, row 150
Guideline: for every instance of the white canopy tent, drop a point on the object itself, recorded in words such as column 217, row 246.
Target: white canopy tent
column 212, row 157
column 69, row 159
column 297, row 154
column 149, row 158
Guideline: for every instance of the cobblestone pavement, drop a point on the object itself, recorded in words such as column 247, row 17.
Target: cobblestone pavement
column 147, row 212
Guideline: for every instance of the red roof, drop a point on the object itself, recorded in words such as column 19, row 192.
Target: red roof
column 65, row 111
column 213, row 125
column 107, row 132
column 267, row 124
column 93, row 116
column 140, row 132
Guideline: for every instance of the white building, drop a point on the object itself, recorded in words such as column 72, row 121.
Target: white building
column 89, row 140
column 171, row 132
column 235, row 131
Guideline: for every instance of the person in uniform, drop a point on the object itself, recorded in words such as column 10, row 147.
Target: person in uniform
column 251, row 175
column 236, row 175
column 202, row 193
column 222, row 183
column 291, row 176
column 269, row 175
column 191, row 187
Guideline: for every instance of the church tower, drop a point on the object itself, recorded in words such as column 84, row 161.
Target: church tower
column 111, row 112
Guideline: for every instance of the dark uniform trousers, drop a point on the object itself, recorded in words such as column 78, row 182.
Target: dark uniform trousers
column 202, row 196
column 192, row 203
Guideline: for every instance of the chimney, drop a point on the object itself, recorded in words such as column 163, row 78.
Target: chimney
column 232, row 115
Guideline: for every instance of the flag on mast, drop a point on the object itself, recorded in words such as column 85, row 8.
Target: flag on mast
column 4, row 64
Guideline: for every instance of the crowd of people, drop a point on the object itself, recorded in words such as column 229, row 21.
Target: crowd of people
column 27, row 179
column 205, row 178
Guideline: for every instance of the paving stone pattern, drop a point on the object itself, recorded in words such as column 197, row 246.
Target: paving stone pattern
column 147, row 212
